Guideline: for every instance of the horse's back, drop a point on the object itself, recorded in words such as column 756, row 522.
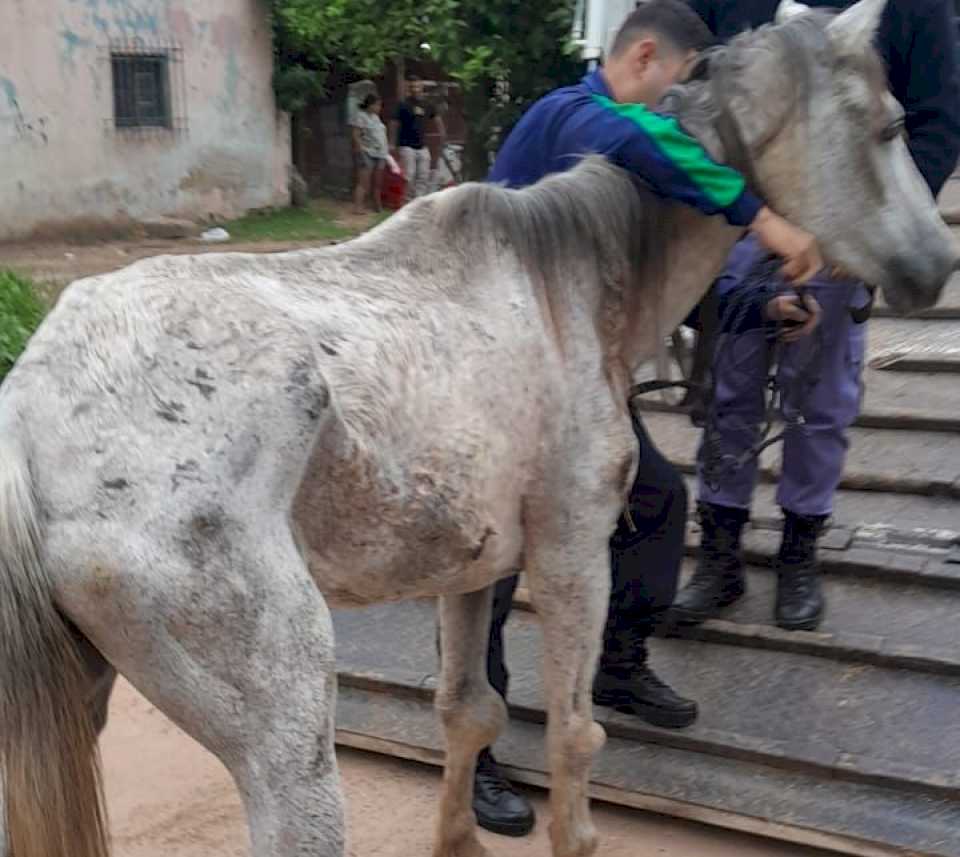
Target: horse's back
column 168, row 384
column 401, row 431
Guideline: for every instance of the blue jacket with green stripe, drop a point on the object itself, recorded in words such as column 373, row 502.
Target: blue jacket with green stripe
column 580, row 120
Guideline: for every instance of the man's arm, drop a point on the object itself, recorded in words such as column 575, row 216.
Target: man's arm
column 656, row 149
column 743, row 304
column 932, row 97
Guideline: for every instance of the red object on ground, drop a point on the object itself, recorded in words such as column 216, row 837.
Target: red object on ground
column 393, row 191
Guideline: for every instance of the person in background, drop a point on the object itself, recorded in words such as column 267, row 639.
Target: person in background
column 610, row 113
column 370, row 151
column 917, row 41
column 408, row 138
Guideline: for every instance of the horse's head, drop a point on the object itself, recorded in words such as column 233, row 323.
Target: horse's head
column 802, row 107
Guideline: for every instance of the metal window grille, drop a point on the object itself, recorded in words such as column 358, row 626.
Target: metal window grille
column 141, row 91
column 149, row 88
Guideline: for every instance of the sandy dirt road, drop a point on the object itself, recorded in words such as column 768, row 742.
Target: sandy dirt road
column 169, row 798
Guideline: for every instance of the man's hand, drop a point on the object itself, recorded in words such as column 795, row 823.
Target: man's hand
column 800, row 314
column 797, row 247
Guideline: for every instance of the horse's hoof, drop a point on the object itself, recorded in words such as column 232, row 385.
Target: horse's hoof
column 582, row 842
column 467, row 846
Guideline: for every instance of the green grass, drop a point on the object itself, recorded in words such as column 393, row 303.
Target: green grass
column 21, row 311
column 289, row 224
column 379, row 217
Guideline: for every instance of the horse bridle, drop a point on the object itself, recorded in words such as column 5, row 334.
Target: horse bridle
column 736, row 152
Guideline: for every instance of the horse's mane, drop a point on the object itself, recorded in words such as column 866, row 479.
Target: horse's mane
column 592, row 219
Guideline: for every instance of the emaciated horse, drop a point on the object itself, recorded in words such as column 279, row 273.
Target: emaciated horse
column 197, row 454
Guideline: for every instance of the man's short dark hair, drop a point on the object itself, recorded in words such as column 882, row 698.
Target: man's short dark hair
column 672, row 20
column 412, row 78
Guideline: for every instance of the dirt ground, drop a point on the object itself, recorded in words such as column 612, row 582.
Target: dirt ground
column 59, row 263
column 168, row 797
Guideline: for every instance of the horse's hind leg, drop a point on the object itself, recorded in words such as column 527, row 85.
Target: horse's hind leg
column 472, row 713
column 221, row 627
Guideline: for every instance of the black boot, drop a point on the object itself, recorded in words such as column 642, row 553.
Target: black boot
column 800, row 602
column 639, row 692
column 499, row 807
column 719, row 580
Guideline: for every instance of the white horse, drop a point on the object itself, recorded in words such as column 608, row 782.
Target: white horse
column 197, row 454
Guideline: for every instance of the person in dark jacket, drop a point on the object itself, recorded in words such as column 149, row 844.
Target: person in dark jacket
column 917, row 41
column 606, row 114
column 408, row 138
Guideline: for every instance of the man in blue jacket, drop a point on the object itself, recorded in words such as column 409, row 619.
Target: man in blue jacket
column 917, row 40
column 605, row 114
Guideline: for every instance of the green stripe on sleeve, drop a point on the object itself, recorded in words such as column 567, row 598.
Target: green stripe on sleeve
column 722, row 185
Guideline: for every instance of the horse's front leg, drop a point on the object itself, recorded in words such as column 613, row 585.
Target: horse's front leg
column 472, row 713
column 570, row 581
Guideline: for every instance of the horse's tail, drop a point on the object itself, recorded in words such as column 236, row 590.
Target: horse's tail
column 48, row 744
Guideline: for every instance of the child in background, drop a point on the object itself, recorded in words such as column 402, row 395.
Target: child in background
column 371, row 152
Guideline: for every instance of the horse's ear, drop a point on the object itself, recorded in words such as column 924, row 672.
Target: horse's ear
column 853, row 31
column 789, row 9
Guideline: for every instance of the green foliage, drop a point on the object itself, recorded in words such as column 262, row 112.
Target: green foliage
column 21, row 311
column 505, row 53
column 362, row 34
column 296, row 86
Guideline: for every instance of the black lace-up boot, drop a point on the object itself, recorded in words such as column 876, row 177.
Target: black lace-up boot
column 637, row 690
column 499, row 807
column 719, row 580
column 800, row 603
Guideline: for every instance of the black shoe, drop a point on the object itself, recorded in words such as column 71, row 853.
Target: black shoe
column 643, row 695
column 718, row 581
column 800, row 605
column 499, row 807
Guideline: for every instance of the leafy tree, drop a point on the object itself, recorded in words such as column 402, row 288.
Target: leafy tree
column 362, row 34
column 504, row 53
column 507, row 54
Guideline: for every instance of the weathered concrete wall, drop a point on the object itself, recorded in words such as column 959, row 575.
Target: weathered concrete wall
column 62, row 159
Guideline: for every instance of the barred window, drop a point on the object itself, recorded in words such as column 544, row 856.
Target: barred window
column 141, row 90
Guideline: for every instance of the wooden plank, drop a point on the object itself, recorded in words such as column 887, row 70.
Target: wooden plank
column 857, row 820
column 635, row 800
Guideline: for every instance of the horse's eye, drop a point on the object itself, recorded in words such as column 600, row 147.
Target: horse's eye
column 895, row 129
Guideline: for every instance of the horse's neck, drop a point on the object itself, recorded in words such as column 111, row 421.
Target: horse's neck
column 697, row 249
